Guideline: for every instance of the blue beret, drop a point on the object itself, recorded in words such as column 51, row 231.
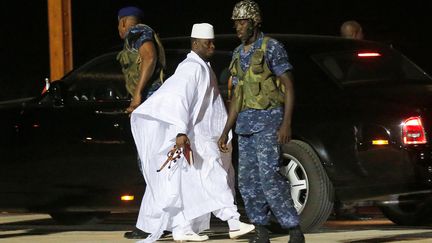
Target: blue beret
column 130, row 11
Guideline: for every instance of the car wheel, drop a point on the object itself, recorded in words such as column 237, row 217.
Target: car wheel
column 76, row 218
column 311, row 189
column 411, row 210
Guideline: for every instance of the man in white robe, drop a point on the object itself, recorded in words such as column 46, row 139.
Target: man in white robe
column 186, row 109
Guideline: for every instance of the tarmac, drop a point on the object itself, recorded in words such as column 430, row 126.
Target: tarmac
column 40, row 228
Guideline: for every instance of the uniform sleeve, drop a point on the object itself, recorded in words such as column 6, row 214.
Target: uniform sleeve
column 138, row 35
column 277, row 57
column 234, row 79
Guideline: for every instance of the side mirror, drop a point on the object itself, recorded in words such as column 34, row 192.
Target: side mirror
column 55, row 91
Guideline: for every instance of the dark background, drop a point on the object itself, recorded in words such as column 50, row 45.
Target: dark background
column 24, row 43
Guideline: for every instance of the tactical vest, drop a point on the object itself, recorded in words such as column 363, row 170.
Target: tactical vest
column 257, row 88
column 130, row 62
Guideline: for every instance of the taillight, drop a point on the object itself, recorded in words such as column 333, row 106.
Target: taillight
column 368, row 54
column 127, row 198
column 413, row 131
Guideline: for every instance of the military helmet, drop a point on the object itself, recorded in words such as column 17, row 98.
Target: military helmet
column 247, row 9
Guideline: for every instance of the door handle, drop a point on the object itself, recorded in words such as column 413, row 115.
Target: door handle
column 111, row 113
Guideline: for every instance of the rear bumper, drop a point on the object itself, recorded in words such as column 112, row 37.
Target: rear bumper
column 386, row 170
column 421, row 158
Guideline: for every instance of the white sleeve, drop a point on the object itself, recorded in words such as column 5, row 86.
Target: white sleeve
column 174, row 102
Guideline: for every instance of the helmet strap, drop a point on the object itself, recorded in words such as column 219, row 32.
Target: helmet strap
column 250, row 31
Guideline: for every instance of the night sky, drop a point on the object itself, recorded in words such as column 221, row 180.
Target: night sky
column 24, row 39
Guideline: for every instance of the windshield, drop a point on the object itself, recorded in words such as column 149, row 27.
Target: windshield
column 361, row 66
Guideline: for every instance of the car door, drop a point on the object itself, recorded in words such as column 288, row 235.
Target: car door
column 11, row 171
column 81, row 145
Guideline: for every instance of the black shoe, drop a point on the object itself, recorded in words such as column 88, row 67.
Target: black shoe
column 136, row 234
column 261, row 235
column 296, row 235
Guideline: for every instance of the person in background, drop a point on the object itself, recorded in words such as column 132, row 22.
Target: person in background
column 352, row 30
column 349, row 210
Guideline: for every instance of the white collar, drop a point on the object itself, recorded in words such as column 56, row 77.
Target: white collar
column 194, row 55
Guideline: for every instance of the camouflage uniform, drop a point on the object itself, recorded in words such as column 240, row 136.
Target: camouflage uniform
column 263, row 188
column 130, row 60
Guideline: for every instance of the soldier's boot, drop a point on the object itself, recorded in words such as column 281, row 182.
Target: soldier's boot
column 296, row 235
column 261, row 235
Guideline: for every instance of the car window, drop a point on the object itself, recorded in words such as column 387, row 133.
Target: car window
column 360, row 66
column 99, row 80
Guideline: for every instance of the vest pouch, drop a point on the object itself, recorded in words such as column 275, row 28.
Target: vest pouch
column 280, row 86
column 254, row 97
column 136, row 73
column 124, row 58
column 256, row 69
column 251, row 89
column 268, row 86
column 233, row 67
column 119, row 56
column 273, row 91
column 263, row 101
column 238, row 97
column 277, row 97
column 133, row 73
column 257, row 62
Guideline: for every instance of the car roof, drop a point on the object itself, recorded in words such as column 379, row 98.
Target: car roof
column 309, row 44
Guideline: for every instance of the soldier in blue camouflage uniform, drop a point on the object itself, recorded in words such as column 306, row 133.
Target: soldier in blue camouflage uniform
column 261, row 108
column 142, row 60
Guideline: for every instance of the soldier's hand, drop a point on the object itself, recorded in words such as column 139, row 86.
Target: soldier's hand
column 222, row 143
column 136, row 101
column 284, row 134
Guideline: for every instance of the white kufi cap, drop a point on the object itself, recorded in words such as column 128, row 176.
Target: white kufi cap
column 202, row 31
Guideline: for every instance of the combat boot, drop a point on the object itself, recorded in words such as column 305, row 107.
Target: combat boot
column 296, row 235
column 261, row 235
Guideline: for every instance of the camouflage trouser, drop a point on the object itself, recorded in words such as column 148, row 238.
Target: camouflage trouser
column 261, row 185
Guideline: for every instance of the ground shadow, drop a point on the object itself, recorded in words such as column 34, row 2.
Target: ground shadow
column 115, row 222
column 394, row 238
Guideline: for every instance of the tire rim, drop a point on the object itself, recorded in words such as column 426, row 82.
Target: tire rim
column 297, row 177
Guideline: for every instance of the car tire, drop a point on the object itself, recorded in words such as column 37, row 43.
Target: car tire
column 78, row 218
column 311, row 189
column 415, row 212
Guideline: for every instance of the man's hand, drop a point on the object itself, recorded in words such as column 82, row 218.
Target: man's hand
column 136, row 101
column 284, row 134
column 181, row 140
column 222, row 143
